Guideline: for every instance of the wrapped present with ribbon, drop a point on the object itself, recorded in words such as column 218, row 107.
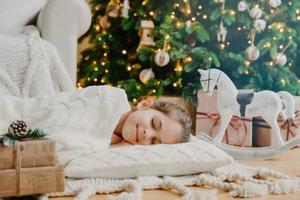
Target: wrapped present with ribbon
column 239, row 130
column 262, row 132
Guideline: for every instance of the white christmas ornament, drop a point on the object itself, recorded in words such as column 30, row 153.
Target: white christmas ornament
column 162, row 58
column 275, row 3
column 280, row 59
column 255, row 13
column 242, row 6
column 125, row 8
column 146, row 75
column 222, row 32
column 260, row 25
column 252, row 52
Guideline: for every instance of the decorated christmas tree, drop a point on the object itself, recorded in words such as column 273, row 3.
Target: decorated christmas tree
column 155, row 47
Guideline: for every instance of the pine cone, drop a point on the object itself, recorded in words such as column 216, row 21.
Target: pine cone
column 18, row 128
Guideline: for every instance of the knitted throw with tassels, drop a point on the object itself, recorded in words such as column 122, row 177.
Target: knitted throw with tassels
column 240, row 180
column 30, row 66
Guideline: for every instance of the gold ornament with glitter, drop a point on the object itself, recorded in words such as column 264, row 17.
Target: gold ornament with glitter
column 113, row 8
column 146, row 75
column 252, row 52
column 104, row 23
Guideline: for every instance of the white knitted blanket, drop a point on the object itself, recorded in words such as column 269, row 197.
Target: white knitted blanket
column 239, row 180
column 30, row 66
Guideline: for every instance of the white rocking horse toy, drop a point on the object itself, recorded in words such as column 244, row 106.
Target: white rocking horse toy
column 266, row 104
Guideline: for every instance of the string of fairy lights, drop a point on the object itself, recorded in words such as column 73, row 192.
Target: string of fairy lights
column 184, row 6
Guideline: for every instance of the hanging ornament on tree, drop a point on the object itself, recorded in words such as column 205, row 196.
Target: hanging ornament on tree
column 221, row 33
column 145, row 34
column 259, row 25
column 252, row 52
column 104, row 23
column 191, row 39
column 125, row 8
column 281, row 59
column 275, row 3
column 162, row 57
column 255, row 13
column 146, row 75
column 18, row 128
column 242, row 6
column 113, row 8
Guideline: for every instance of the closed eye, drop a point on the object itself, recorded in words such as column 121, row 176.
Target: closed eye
column 156, row 123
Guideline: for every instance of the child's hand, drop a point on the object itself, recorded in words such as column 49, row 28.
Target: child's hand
column 121, row 144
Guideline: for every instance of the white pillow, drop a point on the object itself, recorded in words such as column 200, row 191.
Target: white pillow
column 15, row 14
column 155, row 160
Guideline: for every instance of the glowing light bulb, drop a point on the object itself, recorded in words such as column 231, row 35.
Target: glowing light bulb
column 204, row 16
column 129, row 68
column 96, row 69
column 151, row 13
column 95, row 79
column 124, row 51
column 102, row 63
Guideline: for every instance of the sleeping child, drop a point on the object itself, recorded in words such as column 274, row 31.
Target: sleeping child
column 152, row 122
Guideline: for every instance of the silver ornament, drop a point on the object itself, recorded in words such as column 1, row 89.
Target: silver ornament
column 221, row 33
column 162, row 58
column 242, row 6
column 280, row 59
column 275, row 3
column 255, row 13
column 252, row 53
column 259, row 25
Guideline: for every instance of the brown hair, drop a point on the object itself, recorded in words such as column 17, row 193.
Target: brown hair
column 178, row 113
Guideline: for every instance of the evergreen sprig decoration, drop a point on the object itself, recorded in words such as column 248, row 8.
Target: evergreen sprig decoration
column 11, row 136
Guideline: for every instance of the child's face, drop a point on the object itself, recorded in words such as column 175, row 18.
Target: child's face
column 149, row 126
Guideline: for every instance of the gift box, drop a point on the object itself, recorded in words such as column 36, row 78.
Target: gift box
column 239, row 130
column 35, row 153
column 30, row 181
column 34, row 169
column 264, row 136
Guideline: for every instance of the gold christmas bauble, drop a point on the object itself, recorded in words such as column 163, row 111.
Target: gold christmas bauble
column 104, row 23
column 252, row 53
column 146, row 75
column 280, row 59
column 162, row 58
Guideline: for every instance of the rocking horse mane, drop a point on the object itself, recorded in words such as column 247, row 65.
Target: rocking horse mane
column 224, row 81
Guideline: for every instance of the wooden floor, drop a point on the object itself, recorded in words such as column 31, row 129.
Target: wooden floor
column 288, row 163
